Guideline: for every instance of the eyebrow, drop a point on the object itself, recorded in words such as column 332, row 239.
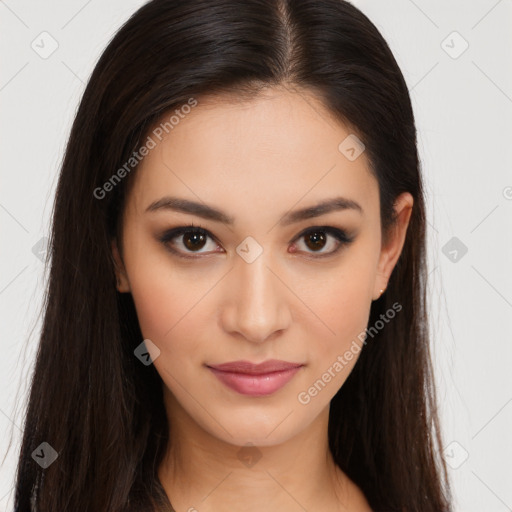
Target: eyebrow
column 208, row 212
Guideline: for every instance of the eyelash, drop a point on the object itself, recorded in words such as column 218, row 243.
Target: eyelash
column 338, row 234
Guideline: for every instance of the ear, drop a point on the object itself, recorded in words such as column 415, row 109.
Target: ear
column 123, row 285
column 392, row 247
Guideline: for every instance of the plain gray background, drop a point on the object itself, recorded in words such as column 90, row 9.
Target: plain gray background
column 456, row 59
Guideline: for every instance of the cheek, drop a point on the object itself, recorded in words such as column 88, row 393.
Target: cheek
column 151, row 284
column 156, row 302
column 347, row 317
column 168, row 302
column 341, row 304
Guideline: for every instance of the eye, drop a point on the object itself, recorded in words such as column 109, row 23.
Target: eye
column 190, row 239
column 318, row 238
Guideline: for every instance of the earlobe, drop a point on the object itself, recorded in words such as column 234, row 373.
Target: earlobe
column 391, row 251
column 122, row 284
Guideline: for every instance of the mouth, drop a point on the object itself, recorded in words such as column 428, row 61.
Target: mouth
column 255, row 379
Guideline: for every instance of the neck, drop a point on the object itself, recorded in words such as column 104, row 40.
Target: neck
column 205, row 474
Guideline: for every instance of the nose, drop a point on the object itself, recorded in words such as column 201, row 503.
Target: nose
column 255, row 304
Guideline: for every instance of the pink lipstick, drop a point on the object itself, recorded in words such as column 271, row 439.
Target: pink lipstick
column 255, row 379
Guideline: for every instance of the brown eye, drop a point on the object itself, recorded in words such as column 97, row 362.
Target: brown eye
column 188, row 240
column 318, row 238
column 193, row 240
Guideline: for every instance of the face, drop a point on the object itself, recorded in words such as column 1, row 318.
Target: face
column 246, row 274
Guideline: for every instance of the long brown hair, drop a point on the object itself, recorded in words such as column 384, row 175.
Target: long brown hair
column 90, row 399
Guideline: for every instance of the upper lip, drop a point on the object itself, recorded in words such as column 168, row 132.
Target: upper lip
column 269, row 366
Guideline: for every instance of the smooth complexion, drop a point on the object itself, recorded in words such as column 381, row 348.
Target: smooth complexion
column 304, row 299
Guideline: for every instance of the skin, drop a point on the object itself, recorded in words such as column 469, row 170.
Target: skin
column 256, row 160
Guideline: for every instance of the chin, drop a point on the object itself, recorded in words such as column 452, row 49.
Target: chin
column 257, row 429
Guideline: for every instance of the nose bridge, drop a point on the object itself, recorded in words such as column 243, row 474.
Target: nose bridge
column 257, row 303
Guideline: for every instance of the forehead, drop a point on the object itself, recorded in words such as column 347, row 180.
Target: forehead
column 261, row 155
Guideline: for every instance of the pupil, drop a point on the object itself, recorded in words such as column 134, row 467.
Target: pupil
column 318, row 239
column 196, row 238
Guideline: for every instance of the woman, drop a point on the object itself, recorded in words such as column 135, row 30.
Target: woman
column 236, row 311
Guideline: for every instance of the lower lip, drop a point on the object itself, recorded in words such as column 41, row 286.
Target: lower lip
column 255, row 385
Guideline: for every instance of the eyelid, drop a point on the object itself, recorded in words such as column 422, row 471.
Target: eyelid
column 339, row 234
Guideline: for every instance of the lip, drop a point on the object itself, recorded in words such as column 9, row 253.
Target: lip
column 252, row 379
